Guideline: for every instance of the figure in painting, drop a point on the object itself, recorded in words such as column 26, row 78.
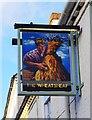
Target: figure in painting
column 44, row 64
column 33, row 60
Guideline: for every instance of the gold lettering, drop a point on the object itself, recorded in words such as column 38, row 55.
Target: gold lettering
column 66, row 85
column 60, row 86
column 50, row 85
column 55, row 85
column 33, row 85
column 39, row 85
column 45, row 85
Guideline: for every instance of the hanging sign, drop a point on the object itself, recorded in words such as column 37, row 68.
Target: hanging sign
column 47, row 65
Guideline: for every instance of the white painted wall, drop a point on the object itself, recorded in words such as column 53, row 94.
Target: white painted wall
column 40, row 106
column 59, row 107
column 83, row 102
column 13, row 103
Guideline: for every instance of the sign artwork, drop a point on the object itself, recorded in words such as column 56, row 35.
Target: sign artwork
column 45, row 61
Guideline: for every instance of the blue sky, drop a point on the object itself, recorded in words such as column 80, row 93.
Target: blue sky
column 19, row 12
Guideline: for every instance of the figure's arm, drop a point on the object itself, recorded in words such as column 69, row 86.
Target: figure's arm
column 38, row 65
column 29, row 61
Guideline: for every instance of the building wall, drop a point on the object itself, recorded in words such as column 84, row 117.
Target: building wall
column 91, row 58
column 59, row 107
column 83, row 102
column 13, row 100
column 13, row 103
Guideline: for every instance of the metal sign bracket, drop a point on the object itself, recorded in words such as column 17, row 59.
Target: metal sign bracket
column 79, row 85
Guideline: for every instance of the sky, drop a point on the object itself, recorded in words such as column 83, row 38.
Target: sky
column 37, row 12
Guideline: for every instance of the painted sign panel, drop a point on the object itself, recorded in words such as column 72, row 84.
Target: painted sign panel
column 45, row 61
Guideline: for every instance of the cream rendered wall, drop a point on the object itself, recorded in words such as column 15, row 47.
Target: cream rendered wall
column 13, row 103
column 83, row 102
